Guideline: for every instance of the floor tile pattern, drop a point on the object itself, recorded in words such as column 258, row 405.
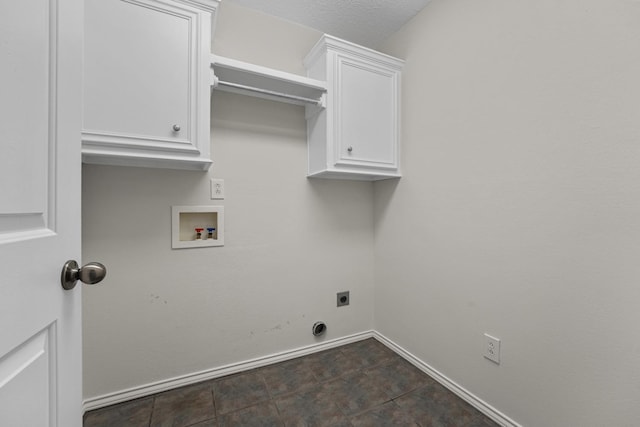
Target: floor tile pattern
column 359, row 384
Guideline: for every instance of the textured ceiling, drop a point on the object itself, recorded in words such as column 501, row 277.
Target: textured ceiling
column 365, row 22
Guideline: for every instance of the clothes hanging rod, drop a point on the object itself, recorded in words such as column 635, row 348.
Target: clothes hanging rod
column 319, row 102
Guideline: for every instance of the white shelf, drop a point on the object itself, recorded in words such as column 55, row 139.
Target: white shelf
column 262, row 82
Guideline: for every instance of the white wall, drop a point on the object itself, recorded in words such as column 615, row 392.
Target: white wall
column 291, row 243
column 519, row 210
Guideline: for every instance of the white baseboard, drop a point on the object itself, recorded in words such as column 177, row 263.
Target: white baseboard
column 461, row 392
column 209, row 374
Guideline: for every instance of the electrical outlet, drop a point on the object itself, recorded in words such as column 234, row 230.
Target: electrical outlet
column 343, row 298
column 492, row 348
column 217, row 189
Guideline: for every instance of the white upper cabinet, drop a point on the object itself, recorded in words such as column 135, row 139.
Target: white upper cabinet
column 147, row 78
column 357, row 135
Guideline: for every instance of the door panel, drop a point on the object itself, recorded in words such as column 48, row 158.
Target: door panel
column 26, row 94
column 25, row 383
column 366, row 117
column 127, row 69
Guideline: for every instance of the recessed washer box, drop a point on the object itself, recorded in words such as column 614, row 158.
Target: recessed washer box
column 186, row 219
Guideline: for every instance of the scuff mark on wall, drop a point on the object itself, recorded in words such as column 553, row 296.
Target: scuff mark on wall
column 156, row 298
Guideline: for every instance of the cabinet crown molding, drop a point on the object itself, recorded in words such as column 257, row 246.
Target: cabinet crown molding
column 330, row 43
column 208, row 5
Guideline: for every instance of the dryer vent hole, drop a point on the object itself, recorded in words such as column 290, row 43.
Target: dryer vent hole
column 319, row 328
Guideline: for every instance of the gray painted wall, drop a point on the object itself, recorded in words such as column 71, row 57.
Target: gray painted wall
column 519, row 210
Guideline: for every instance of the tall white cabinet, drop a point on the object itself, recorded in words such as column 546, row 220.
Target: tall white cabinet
column 147, row 78
column 357, row 135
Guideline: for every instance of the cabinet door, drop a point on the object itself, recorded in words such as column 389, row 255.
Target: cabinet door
column 137, row 66
column 366, row 114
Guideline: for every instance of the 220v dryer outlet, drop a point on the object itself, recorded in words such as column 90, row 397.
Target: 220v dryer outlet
column 342, row 298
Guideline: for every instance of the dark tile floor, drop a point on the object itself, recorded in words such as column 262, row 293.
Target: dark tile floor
column 360, row 384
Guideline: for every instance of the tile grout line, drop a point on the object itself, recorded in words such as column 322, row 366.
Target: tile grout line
column 153, row 408
column 258, row 402
column 213, row 402
column 271, row 397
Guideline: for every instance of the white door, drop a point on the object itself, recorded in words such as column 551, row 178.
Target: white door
column 40, row 123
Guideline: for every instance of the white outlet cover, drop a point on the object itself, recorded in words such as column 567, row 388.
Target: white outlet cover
column 492, row 348
column 217, row 189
